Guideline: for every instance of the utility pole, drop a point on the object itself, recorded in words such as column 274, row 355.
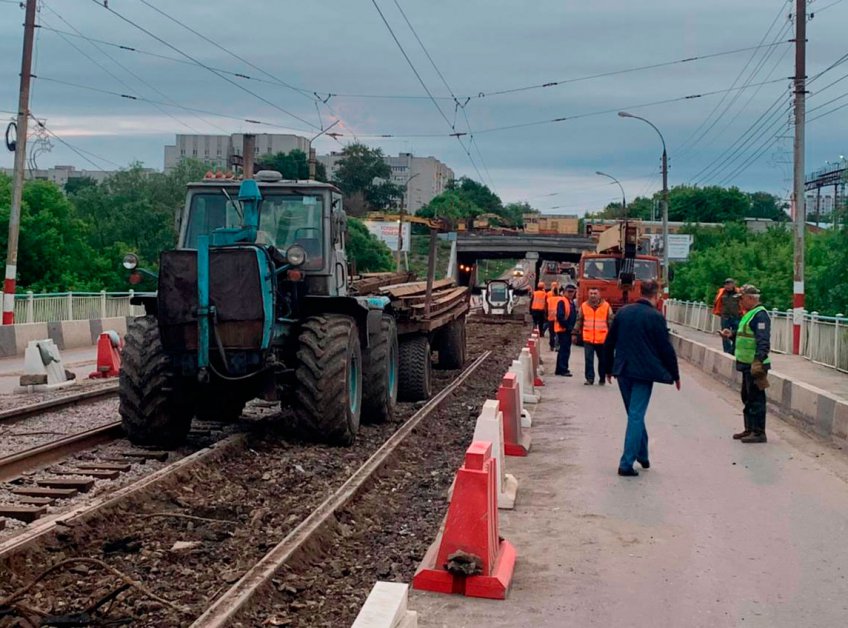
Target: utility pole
column 666, row 268
column 20, row 165
column 799, row 208
column 248, row 148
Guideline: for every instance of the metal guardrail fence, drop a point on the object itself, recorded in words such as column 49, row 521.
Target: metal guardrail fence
column 824, row 339
column 73, row 306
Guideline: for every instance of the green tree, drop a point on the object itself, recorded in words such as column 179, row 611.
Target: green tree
column 384, row 195
column 478, row 194
column 453, row 205
column 365, row 250
column 293, row 165
column 75, row 184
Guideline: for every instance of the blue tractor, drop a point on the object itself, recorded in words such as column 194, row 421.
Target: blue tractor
column 255, row 302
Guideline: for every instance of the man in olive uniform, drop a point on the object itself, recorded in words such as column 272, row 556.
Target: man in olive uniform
column 753, row 343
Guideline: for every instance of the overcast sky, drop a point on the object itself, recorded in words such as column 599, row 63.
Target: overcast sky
column 480, row 46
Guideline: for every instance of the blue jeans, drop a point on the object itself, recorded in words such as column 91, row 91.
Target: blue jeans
column 728, row 344
column 589, row 352
column 636, row 394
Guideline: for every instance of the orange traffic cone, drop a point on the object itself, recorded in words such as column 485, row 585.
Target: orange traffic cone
column 469, row 557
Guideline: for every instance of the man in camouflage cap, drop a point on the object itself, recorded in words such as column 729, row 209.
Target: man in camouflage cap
column 753, row 344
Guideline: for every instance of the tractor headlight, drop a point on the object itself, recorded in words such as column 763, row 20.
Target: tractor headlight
column 130, row 261
column 296, row 255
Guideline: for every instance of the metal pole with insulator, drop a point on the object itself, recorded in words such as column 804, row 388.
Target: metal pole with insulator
column 799, row 208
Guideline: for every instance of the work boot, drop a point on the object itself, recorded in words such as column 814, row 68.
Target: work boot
column 742, row 434
column 755, row 437
column 589, row 382
column 629, row 473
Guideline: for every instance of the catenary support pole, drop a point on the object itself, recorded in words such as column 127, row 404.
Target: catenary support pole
column 799, row 209
column 20, row 165
column 248, row 148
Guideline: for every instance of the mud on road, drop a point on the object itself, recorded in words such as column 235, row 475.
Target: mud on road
column 195, row 538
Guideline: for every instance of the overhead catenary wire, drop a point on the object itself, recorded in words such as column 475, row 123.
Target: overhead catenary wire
column 124, row 69
column 205, row 66
column 693, row 138
column 424, row 85
column 79, row 151
column 457, row 104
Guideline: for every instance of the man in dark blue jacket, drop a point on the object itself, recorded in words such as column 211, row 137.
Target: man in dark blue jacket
column 638, row 352
column 566, row 316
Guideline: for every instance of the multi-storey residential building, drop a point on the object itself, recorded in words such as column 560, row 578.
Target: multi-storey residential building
column 61, row 174
column 216, row 150
column 421, row 177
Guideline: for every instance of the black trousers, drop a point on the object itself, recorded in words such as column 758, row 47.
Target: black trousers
column 754, row 410
column 564, row 352
column 589, row 351
column 539, row 321
column 554, row 337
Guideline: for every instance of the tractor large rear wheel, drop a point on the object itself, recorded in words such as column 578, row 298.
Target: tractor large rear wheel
column 328, row 393
column 415, row 369
column 380, row 375
column 154, row 410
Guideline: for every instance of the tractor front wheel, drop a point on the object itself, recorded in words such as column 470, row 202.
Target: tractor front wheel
column 154, row 410
column 328, row 392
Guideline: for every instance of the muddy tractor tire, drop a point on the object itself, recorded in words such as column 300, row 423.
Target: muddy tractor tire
column 154, row 410
column 380, row 375
column 327, row 401
column 452, row 350
column 414, row 373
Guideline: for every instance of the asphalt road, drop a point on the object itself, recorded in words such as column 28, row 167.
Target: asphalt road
column 716, row 533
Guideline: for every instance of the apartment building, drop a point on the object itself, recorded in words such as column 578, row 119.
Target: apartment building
column 216, row 150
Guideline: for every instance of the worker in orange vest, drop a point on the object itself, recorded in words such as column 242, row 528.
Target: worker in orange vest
column 537, row 307
column 551, row 301
column 593, row 322
column 566, row 316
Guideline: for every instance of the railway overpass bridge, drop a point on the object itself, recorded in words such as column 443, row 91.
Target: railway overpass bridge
column 472, row 247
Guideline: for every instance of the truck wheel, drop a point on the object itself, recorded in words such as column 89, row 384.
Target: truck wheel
column 452, row 345
column 328, row 394
column 414, row 369
column 154, row 410
column 380, row 375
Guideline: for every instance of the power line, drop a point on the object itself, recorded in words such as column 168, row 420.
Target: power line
column 424, row 85
column 457, row 104
column 701, row 131
column 166, row 104
column 79, row 151
column 203, row 65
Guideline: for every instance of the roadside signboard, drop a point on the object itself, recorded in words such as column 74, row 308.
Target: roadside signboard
column 388, row 233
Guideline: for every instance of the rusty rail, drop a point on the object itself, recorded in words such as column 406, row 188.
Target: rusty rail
column 60, row 402
column 240, row 595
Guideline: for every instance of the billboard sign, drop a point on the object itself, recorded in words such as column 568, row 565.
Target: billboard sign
column 388, row 233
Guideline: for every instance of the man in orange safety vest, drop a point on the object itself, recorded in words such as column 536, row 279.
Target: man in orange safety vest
column 551, row 301
column 538, row 307
column 594, row 319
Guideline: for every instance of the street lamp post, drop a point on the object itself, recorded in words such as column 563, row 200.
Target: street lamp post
column 621, row 187
column 400, row 222
column 624, row 114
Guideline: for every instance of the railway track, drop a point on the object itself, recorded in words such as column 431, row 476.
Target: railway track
column 28, row 547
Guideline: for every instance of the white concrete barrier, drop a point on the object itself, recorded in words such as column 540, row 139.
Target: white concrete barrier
column 526, row 360
column 490, row 428
column 43, row 367
column 386, row 607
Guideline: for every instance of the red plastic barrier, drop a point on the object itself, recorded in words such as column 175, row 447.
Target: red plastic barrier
column 108, row 358
column 470, row 536
column 533, row 345
column 516, row 442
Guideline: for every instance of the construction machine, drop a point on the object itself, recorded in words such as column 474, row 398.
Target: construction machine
column 256, row 300
column 616, row 268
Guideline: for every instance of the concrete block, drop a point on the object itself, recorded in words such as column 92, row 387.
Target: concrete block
column 709, row 362
column 386, row 607
column 8, row 346
column 804, row 403
column 490, row 428
column 26, row 332
column 43, row 359
column 118, row 323
column 531, row 394
column 840, row 421
column 825, row 415
column 75, row 334
column 698, row 354
column 54, row 332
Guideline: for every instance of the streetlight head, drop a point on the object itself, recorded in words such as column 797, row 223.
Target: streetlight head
column 624, row 114
column 600, row 173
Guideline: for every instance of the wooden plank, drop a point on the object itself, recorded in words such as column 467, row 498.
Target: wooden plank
column 80, row 484
column 161, row 456
column 33, row 501
column 104, row 466
column 100, row 475
column 40, row 491
column 27, row 514
column 408, row 289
